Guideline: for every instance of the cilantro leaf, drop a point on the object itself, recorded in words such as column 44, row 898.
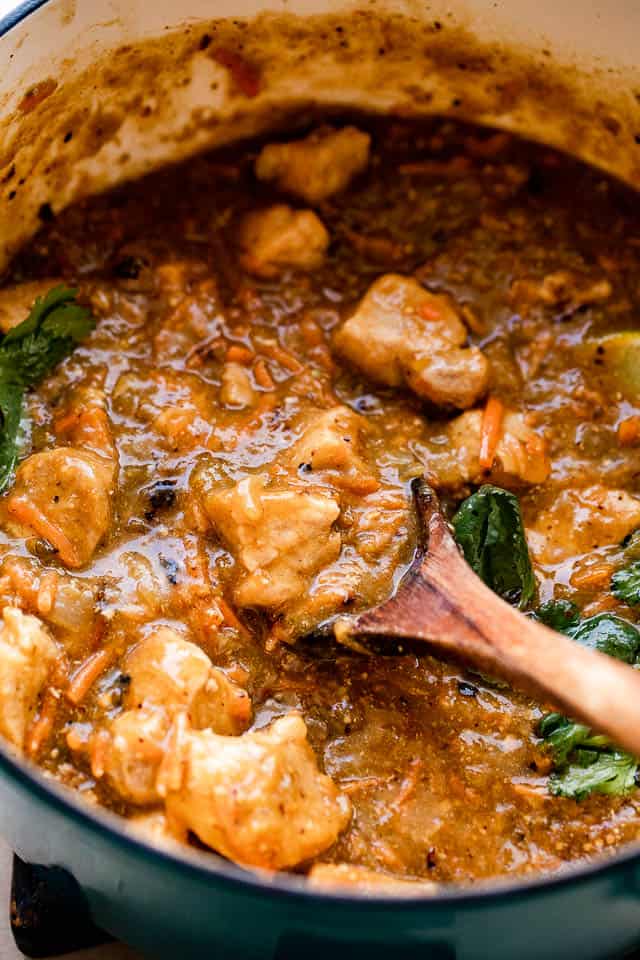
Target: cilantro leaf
column 11, row 405
column 586, row 762
column 488, row 526
column 28, row 352
column 611, row 773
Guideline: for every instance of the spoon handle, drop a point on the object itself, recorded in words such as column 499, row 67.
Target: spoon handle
column 444, row 603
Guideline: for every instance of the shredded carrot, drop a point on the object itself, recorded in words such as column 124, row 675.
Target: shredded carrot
column 409, row 784
column 40, row 730
column 365, row 783
column 283, row 357
column 599, row 606
column 490, row 431
column 64, row 423
column 312, row 332
column 265, row 405
column 593, row 576
column 75, row 741
column 322, row 355
column 472, row 319
column 88, row 426
column 238, row 673
column 262, row 375
column 87, row 673
column 357, row 483
column 25, row 511
column 230, row 616
column 430, row 311
column 236, row 353
column 629, row 432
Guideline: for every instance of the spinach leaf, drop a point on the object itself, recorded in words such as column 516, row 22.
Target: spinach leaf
column 29, row 351
column 625, row 584
column 560, row 615
column 488, row 526
column 609, row 634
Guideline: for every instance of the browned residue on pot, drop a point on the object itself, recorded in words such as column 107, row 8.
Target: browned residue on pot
column 143, row 106
column 36, row 94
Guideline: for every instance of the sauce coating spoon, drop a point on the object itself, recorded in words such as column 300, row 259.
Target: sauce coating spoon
column 442, row 603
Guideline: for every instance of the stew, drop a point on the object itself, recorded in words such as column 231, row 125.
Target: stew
column 216, row 387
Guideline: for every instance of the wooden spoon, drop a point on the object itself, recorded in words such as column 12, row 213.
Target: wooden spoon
column 442, row 602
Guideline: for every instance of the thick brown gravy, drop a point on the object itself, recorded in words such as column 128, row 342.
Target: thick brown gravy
column 212, row 362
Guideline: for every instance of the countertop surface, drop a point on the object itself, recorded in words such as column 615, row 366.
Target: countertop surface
column 8, row 950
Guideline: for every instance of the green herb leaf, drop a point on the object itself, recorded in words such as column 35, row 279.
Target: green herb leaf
column 609, row 634
column 613, row 774
column 560, row 615
column 586, row 762
column 625, row 584
column 11, row 403
column 488, row 526
column 28, row 352
column 563, row 736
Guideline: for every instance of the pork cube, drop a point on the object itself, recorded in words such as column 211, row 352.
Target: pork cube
column 315, row 168
column 579, row 521
column 27, row 653
column 171, row 673
column 280, row 536
column 520, row 455
column 64, row 497
column 134, row 748
column 279, row 238
column 332, row 441
column 402, row 335
column 259, row 799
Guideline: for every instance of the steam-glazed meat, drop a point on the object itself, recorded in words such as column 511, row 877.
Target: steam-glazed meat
column 333, row 442
column 168, row 671
column 520, row 456
column 27, row 653
column 580, row 521
column 280, row 536
column 315, row 168
column 63, row 496
column 259, row 799
column 280, row 238
column 402, row 335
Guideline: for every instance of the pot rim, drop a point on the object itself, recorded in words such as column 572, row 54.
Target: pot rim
column 207, row 865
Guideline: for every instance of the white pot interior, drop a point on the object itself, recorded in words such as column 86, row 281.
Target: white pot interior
column 95, row 93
